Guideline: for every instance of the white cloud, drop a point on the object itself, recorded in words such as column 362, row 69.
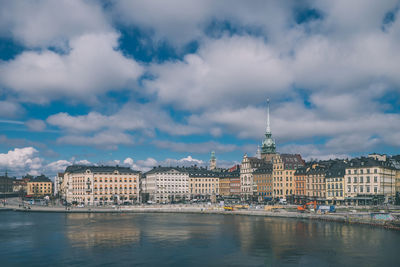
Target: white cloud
column 356, row 17
column 146, row 118
column 233, row 71
column 21, row 160
column 313, row 152
column 57, row 166
column 36, row 125
column 149, row 163
column 205, row 147
column 10, row 109
column 84, row 123
column 46, row 23
column 106, row 139
column 182, row 21
column 91, row 68
column 190, row 159
column 140, row 165
column 341, row 65
column 83, row 162
column 247, row 122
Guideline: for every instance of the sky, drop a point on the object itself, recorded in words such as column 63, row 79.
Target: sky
column 147, row 83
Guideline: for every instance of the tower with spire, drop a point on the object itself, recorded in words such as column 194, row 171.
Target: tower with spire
column 268, row 147
column 213, row 161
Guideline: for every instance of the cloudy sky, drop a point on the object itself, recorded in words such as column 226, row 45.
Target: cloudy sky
column 143, row 83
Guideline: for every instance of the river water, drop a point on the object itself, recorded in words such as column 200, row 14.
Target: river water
column 57, row 239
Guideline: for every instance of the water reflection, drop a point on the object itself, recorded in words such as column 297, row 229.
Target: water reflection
column 287, row 241
column 227, row 240
column 88, row 230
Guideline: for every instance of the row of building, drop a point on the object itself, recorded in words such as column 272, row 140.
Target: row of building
column 93, row 185
column 26, row 186
column 268, row 176
column 367, row 180
column 272, row 176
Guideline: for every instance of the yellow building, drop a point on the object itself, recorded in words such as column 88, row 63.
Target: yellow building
column 91, row 185
column 315, row 183
column 38, row 188
column 284, row 168
column 300, row 177
column 335, row 185
column 397, row 181
column 263, row 180
column 203, row 183
column 224, row 186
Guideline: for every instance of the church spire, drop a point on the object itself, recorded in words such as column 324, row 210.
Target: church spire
column 213, row 161
column 268, row 144
column 268, row 126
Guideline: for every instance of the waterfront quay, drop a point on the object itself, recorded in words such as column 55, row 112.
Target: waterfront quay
column 388, row 218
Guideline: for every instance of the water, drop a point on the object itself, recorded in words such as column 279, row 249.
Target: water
column 57, row 239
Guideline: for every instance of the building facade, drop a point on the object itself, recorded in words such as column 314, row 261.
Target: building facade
column 224, row 186
column 369, row 181
column 203, row 183
column 284, row 168
column 167, row 184
column 315, row 182
column 39, row 188
column 234, row 185
column 57, row 183
column 263, row 180
column 300, row 177
column 334, row 178
column 98, row 185
column 247, row 186
column 21, row 185
column 6, row 184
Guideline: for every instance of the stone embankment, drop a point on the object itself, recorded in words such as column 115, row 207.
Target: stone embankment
column 341, row 217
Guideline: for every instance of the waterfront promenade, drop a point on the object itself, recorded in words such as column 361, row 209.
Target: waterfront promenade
column 352, row 215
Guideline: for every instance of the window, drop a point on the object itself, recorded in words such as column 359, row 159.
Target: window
column 375, row 189
column 375, row 179
column 349, row 180
column 368, row 189
column 349, row 189
column 368, row 180
column 355, row 179
column 361, row 189
column 361, row 179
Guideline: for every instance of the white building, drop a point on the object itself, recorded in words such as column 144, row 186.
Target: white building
column 57, row 183
column 368, row 177
column 167, row 184
column 249, row 165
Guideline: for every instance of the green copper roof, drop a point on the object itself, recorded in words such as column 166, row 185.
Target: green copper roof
column 268, row 145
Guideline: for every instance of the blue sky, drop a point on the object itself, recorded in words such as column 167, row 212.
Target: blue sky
column 144, row 83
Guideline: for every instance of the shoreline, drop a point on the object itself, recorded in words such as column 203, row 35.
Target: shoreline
column 347, row 218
